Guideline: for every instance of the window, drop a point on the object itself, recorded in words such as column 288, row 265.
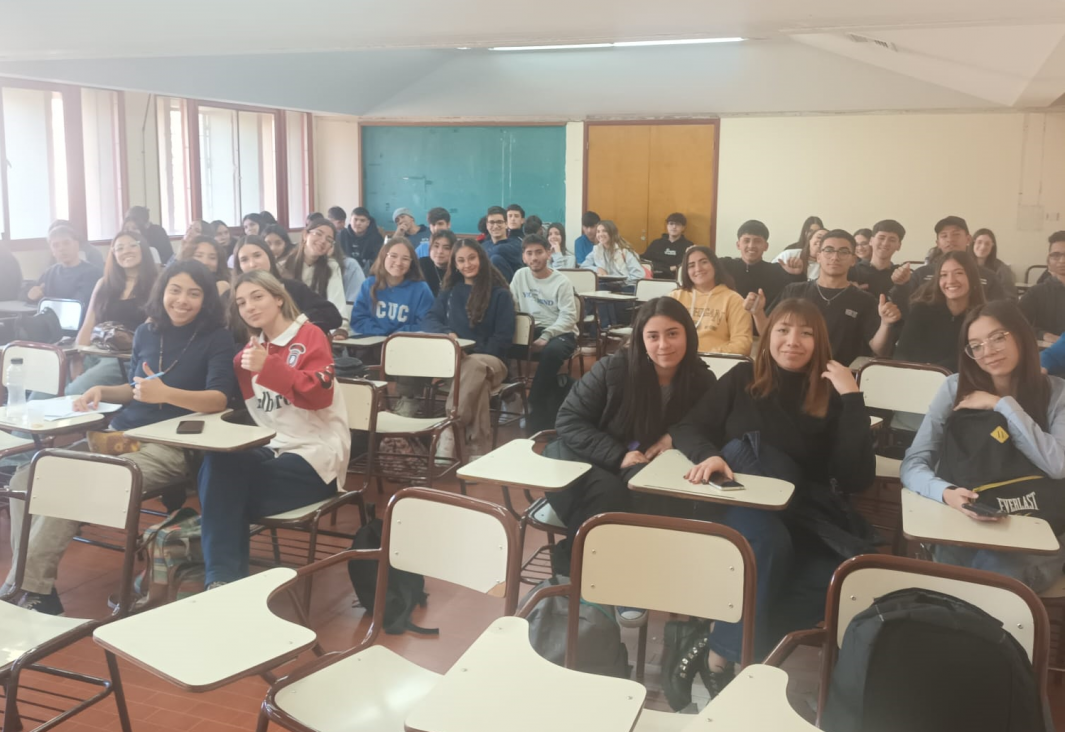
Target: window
column 35, row 157
column 103, row 163
column 238, row 163
column 174, row 187
column 297, row 147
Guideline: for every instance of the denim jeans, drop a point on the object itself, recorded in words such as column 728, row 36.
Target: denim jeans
column 1038, row 571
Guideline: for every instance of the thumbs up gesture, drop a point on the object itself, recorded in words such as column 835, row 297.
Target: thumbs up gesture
column 253, row 357
column 901, row 275
column 755, row 302
column 889, row 311
column 149, row 389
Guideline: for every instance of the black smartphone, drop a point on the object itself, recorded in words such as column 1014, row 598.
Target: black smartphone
column 982, row 509
column 190, row 427
column 719, row 481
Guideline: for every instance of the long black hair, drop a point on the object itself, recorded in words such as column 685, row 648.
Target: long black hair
column 487, row 278
column 641, row 412
column 114, row 279
column 212, row 315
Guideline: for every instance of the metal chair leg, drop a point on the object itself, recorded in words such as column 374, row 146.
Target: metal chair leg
column 120, row 694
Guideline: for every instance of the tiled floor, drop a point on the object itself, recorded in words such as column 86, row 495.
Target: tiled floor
column 89, row 574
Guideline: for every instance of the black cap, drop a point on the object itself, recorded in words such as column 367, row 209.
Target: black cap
column 952, row 221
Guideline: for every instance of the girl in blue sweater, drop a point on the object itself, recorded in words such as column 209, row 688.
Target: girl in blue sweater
column 475, row 303
column 395, row 297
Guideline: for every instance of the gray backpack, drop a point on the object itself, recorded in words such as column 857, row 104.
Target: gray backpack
column 599, row 646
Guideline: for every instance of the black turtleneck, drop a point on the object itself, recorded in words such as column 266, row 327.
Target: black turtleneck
column 434, row 276
column 770, row 277
column 838, row 445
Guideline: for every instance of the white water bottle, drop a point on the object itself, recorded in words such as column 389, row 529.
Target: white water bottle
column 16, row 391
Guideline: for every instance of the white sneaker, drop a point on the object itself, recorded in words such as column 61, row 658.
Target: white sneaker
column 407, row 407
column 445, row 445
column 630, row 617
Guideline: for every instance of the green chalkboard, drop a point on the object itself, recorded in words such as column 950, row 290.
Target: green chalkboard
column 464, row 169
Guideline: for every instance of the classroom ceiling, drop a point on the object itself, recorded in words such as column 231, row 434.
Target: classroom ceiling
column 400, row 59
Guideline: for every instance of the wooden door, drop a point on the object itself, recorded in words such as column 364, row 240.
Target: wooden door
column 616, row 189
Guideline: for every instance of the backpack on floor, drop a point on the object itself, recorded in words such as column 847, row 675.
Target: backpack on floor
column 922, row 661
column 406, row 590
column 401, row 456
column 175, row 568
column 599, row 647
column 36, row 327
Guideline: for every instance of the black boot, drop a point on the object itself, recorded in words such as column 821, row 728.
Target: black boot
column 715, row 681
column 683, row 656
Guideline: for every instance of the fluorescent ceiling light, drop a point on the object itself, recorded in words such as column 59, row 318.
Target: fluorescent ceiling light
column 619, row 44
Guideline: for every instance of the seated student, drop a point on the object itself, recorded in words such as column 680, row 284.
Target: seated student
column 515, row 221
column 1053, row 359
column 750, row 272
column 999, row 372
column 434, row 266
column 503, row 250
column 952, row 235
column 721, row 321
column 551, row 300
column 856, row 324
column 70, row 278
column 665, row 252
column 361, row 239
column 984, row 247
column 196, row 229
column 476, row 304
column 252, row 224
column 873, row 274
column 223, row 236
column 561, row 258
column 206, row 251
column 280, row 244
column 812, row 430
column 439, row 220
column 154, row 234
column 583, row 244
column 864, row 249
column 255, row 254
column 317, row 264
column 614, row 256
column 267, row 218
column 394, row 297
column 1044, row 304
column 533, row 225
column 120, row 296
column 286, row 377
column 10, row 275
column 408, row 228
column 933, row 324
column 182, row 363
column 803, row 266
column 338, row 217
column 812, row 224
column 616, row 420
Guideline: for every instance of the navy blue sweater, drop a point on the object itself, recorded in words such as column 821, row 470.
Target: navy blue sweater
column 70, row 283
column 505, row 256
column 493, row 335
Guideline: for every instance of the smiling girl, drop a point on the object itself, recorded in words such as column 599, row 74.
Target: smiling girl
column 722, row 323
column 318, row 264
column 210, row 254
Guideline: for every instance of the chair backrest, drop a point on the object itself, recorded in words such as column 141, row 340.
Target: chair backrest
column 524, row 328
column 360, row 399
column 454, row 538
column 650, row 289
column 1033, row 273
column 87, row 488
column 618, row 559
column 900, row 386
column 44, row 366
column 420, row 354
column 722, row 363
column 68, row 311
column 584, row 280
column 858, row 582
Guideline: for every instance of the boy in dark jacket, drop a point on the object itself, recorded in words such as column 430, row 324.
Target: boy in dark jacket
column 666, row 252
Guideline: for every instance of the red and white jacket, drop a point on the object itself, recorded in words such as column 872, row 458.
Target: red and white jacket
column 294, row 396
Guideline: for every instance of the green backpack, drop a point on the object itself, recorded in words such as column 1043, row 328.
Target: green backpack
column 175, row 567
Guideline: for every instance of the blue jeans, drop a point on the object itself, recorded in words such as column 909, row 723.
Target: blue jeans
column 793, row 576
column 238, row 487
column 1038, row 571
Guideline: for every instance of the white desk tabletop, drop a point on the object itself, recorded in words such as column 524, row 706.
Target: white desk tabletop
column 489, row 688
column 516, row 465
column 213, row 638
column 217, row 436
column 926, row 520
column 611, row 278
column 366, row 341
column 606, row 295
column 665, row 475
column 757, row 699
column 46, row 427
column 17, row 307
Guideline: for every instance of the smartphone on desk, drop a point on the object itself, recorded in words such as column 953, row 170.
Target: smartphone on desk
column 190, row 427
column 982, row 509
column 718, row 481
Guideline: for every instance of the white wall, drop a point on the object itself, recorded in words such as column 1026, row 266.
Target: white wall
column 854, row 170
column 142, row 154
column 337, row 168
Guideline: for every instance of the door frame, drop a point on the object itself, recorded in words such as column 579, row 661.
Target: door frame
column 714, row 122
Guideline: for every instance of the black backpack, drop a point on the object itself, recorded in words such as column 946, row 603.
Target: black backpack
column 406, row 590
column 921, row 661
column 34, row 327
column 979, row 454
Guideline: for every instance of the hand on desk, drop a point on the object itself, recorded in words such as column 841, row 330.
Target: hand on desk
column 633, row 457
column 701, row 473
column 959, row 498
column 665, row 442
column 88, row 401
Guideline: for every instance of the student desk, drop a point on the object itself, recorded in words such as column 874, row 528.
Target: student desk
column 611, row 278
column 49, row 428
column 211, row 639
column 16, row 307
column 517, row 465
column 361, row 341
column 665, row 476
column 607, row 295
column 932, row 521
column 490, row 688
column 123, row 357
column 218, row 435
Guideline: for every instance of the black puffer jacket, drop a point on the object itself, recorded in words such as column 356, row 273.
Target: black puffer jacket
column 588, row 424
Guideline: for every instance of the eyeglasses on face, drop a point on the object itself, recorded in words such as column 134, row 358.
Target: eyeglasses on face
column 833, row 252
column 992, row 344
